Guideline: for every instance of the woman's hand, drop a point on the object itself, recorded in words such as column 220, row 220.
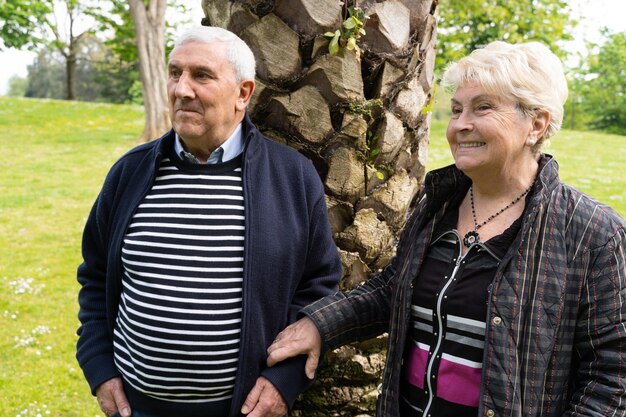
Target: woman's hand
column 299, row 338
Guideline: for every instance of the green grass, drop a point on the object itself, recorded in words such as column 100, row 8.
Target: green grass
column 55, row 157
column 592, row 162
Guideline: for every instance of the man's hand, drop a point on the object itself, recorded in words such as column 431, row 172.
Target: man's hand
column 264, row 400
column 112, row 399
column 299, row 338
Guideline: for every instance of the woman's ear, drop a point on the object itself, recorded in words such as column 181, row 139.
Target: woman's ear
column 540, row 122
column 246, row 89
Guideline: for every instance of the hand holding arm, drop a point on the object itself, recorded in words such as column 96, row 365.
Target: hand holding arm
column 112, row 399
column 299, row 338
column 264, row 400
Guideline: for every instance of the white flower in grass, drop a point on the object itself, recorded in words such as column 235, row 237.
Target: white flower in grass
column 40, row 330
column 8, row 315
column 25, row 286
column 24, row 341
column 27, row 340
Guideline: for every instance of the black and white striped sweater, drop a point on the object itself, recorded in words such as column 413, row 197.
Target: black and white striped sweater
column 178, row 329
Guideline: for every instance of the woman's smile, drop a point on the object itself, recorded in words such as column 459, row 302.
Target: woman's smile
column 471, row 145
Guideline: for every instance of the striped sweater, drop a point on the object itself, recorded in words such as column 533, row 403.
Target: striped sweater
column 179, row 323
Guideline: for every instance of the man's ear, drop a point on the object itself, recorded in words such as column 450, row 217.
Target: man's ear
column 246, row 89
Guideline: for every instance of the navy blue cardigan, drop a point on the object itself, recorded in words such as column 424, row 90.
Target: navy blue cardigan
column 290, row 258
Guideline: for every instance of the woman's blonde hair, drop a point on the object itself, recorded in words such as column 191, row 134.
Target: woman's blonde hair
column 528, row 73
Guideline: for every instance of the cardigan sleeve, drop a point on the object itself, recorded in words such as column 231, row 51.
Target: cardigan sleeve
column 601, row 334
column 94, row 347
column 322, row 272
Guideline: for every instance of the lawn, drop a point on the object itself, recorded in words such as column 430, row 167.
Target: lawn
column 56, row 154
column 55, row 157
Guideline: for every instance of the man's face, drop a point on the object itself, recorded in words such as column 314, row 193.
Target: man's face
column 205, row 99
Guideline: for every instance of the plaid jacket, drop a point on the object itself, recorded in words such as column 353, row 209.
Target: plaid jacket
column 556, row 338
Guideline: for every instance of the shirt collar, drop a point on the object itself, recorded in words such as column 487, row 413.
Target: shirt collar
column 230, row 149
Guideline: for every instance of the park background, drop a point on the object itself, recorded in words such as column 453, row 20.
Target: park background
column 56, row 153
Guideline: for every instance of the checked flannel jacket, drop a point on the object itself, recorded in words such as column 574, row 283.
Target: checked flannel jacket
column 558, row 347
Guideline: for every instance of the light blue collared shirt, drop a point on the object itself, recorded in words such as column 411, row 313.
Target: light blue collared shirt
column 229, row 149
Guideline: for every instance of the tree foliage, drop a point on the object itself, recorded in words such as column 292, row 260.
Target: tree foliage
column 465, row 25
column 17, row 86
column 118, row 19
column 22, row 21
column 599, row 86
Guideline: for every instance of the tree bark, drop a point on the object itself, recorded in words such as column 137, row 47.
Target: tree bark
column 68, row 48
column 149, row 20
column 360, row 119
column 70, row 74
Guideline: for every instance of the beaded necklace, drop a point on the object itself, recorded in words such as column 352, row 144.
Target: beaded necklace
column 472, row 236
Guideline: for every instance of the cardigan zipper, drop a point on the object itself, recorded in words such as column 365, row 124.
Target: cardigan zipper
column 245, row 300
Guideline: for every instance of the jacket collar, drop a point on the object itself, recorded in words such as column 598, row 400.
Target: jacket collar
column 443, row 183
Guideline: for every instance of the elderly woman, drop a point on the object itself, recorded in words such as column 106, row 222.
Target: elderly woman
column 507, row 296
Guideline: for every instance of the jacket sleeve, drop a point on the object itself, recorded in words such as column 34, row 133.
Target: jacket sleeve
column 94, row 347
column 322, row 272
column 360, row 314
column 364, row 312
column 601, row 334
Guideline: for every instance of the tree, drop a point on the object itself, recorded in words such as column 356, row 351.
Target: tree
column 356, row 103
column 42, row 25
column 46, row 76
column 465, row 25
column 66, row 40
column 99, row 74
column 17, row 86
column 149, row 20
column 600, row 85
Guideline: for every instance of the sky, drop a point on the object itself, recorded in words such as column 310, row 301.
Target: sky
column 596, row 13
column 15, row 62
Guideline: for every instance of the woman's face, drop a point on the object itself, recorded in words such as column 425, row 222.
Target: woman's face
column 487, row 133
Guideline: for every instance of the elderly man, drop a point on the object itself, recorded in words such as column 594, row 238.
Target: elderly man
column 201, row 246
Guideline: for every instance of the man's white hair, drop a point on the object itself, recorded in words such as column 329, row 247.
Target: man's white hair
column 237, row 52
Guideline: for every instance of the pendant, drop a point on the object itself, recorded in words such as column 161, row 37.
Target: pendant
column 470, row 238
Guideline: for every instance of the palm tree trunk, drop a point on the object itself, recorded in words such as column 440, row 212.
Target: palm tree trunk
column 359, row 117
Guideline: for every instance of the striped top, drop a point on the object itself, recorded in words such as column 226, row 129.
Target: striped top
column 179, row 323
column 443, row 359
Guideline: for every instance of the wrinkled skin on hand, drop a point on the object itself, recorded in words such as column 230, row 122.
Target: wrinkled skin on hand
column 299, row 338
column 112, row 399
